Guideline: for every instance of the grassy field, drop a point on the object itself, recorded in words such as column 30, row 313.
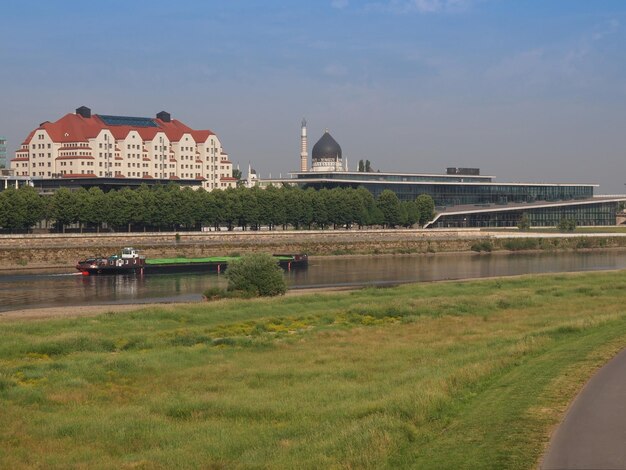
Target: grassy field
column 446, row 375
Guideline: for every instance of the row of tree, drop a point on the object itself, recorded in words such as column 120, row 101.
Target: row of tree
column 172, row 208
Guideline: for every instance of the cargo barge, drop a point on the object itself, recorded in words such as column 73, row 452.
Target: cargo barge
column 130, row 261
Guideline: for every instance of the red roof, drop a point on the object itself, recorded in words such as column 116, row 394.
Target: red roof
column 174, row 178
column 20, row 159
column 30, row 136
column 148, row 177
column 228, row 178
column 200, row 177
column 76, row 128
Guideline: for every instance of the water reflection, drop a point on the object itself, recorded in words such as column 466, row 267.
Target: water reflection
column 22, row 291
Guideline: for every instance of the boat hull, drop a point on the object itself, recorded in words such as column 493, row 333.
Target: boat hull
column 295, row 262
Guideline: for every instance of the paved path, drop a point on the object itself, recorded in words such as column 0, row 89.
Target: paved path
column 593, row 434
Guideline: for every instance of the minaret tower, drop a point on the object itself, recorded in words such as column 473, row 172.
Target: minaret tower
column 304, row 153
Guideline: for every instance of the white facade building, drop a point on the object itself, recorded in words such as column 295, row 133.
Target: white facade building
column 101, row 146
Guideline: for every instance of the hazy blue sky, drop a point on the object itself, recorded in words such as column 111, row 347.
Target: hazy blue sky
column 525, row 90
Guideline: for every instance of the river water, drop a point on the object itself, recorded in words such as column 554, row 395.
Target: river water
column 19, row 291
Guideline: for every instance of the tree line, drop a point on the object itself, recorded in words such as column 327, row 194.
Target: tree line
column 168, row 207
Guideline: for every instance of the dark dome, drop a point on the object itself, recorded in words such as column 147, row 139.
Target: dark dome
column 326, row 147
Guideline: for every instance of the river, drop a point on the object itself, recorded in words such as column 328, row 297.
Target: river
column 20, row 291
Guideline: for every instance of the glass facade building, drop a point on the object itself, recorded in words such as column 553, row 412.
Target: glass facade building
column 590, row 214
column 448, row 190
column 478, row 201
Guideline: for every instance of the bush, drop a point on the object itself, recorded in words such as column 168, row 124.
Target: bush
column 257, row 274
column 567, row 224
column 217, row 293
column 524, row 223
column 483, row 245
column 516, row 244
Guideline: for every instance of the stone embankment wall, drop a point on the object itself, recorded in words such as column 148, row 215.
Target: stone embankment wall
column 58, row 250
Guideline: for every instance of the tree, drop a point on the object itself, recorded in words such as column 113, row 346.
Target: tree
column 524, row 222
column 412, row 213
column 319, row 210
column 361, row 166
column 389, row 205
column 368, row 166
column 63, row 208
column 81, row 199
column 426, row 208
column 256, row 273
column 33, row 204
column 4, row 209
column 294, row 206
column 567, row 224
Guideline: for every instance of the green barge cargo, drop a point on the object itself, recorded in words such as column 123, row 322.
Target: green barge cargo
column 130, row 261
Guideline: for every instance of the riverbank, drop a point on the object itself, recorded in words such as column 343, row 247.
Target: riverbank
column 440, row 375
column 61, row 251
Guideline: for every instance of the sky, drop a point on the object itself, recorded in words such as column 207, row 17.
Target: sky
column 525, row 90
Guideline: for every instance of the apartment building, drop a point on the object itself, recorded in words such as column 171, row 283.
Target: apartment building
column 82, row 145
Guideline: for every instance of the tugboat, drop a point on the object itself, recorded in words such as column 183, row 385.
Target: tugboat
column 130, row 261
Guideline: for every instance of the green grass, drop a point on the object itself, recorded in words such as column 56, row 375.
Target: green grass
column 447, row 375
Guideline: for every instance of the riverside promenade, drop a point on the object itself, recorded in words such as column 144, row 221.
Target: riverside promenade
column 593, row 433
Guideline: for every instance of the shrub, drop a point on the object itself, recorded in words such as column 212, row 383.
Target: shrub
column 483, row 245
column 524, row 223
column 567, row 224
column 256, row 273
column 516, row 244
column 217, row 293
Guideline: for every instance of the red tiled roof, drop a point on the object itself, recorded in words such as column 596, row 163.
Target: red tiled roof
column 76, row 128
column 147, row 177
column 174, row 178
column 201, row 136
column 200, row 177
column 30, row 136
column 228, row 178
column 146, row 159
column 20, row 159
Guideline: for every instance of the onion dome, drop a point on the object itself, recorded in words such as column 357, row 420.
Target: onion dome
column 326, row 148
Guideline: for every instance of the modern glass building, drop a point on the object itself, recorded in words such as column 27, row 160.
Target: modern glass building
column 473, row 200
